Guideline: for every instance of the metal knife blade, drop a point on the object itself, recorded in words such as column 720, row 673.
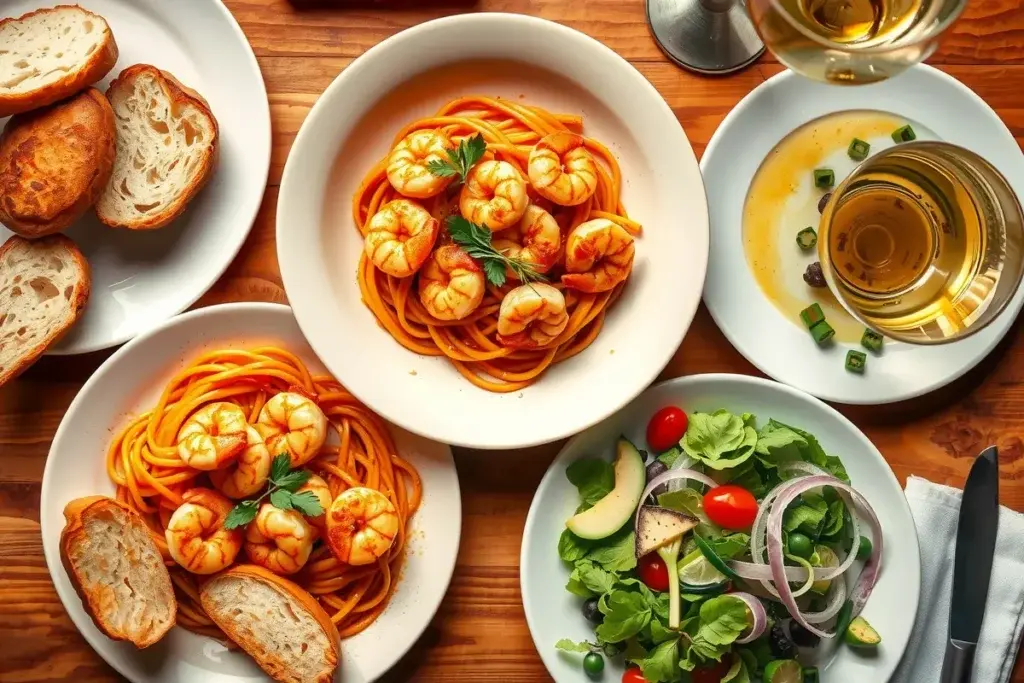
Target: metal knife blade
column 975, row 547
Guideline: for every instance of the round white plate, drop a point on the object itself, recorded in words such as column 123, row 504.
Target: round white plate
column 553, row 613
column 129, row 382
column 937, row 105
column 351, row 128
column 141, row 278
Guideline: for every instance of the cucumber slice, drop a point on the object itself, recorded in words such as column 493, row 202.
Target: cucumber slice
column 783, row 671
column 716, row 561
column 861, row 634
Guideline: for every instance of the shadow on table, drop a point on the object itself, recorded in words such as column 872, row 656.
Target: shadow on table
column 407, row 667
column 381, row 4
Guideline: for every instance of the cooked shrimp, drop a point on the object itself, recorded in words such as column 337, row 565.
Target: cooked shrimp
column 399, row 237
column 361, row 525
column 598, row 256
column 196, row 537
column 536, row 240
column 291, row 423
column 249, row 472
column 408, row 170
column 212, row 436
column 322, row 491
column 279, row 540
column 451, row 284
column 562, row 170
column 494, row 195
column 531, row 316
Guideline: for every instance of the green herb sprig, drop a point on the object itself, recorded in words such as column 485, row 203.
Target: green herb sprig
column 460, row 160
column 475, row 240
column 284, row 483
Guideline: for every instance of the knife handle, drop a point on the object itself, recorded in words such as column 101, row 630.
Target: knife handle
column 959, row 662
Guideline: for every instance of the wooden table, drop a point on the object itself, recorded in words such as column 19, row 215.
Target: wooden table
column 479, row 633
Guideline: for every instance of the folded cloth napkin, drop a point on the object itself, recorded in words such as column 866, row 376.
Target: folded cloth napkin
column 936, row 511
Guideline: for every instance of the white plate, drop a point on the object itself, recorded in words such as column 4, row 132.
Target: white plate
column 937, row 105
column 141, row 278
column 129, row 382
column 553, row 613
column 318, row 246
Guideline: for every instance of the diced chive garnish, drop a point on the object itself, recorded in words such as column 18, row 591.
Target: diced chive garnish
column 812, row 315
column 856, row 361
column 824, row 177
column 806, row 238
column 871, row 340
column 858, row 149
column 904, row 134
column 822, row 332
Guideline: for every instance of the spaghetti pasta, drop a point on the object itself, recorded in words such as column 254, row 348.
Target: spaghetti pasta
column 150, row 477
column 511, row 131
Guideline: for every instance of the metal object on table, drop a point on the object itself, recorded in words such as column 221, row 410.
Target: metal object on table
column 706, row 36
column 972, row 566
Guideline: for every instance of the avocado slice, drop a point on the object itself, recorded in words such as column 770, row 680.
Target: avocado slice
column 861, row 634
column 613, row 511
column 658, row 526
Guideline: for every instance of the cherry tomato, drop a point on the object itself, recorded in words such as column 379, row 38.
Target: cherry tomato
column 710, row 674
column 653, row 572
column 730, row 507
column 666, row 428
column 633, row 676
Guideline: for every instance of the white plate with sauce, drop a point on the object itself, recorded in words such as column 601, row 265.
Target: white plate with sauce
column 758, row 172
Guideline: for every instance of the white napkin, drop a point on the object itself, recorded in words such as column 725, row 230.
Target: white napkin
column 936, row 511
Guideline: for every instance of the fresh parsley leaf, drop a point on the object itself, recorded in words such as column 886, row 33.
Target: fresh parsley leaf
column 658, row 602
column 662, row 664
column 567, row 645
column 283, row 484
column 475, row 240
column 596, row 579
column 592, row 477
column 281, row 498
column 660, row 633
column 625, row 615
column 281, row 465
column 293, row 480
column 618, row 553
column 494, row 271
column 441, row 169
column 307, row 503
column 572, row 548
column 461, row 159
column 241, row 514
column 576, row 586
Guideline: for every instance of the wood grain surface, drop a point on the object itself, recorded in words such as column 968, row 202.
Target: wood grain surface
column 480, row 633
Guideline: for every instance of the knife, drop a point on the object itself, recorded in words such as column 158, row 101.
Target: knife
column 972, row 565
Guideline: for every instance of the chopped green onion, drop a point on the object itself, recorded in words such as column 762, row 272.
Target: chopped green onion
column 858, row 149
column 822, row 332
column 824, row 177
column 856, row 361
column 871, row 340
column 806, row 238
column 812, row 315
column 904, row 134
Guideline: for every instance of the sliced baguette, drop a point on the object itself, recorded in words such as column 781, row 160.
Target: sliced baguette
column 50, row 54
column 117, row 570
column 276, row 622
column 44, row 286
column 167, row 142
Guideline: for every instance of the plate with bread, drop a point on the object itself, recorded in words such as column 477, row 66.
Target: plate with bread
column 134, row 153
column 217, row 508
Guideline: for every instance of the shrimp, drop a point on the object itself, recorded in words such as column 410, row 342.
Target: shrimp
column 407, row 167
column 399, row 237
column 361, row 525
column 212, row 436
column 494, row 195
column 535, row 240
column 249, row 473
column 319, row 488
column 293, row 424
column 531, row 316
column 279, row 540
column 451, row 284
column 196, row 537
column 598, row 256
column 562, row 170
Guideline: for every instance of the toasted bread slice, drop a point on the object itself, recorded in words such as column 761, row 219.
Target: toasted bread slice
column 50, row 54
column 54, row 163
column 117, row 569
column 167, row 142
column 275, row 621
column 44, row 286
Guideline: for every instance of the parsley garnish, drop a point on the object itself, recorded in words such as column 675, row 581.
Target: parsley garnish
column 475, row 240
column 284, row 482
column 460, row 160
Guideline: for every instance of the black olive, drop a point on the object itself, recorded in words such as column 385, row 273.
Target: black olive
column 591, row 611
column 823, row 201
column 801, row 636
column 813, row 275
column 782, row 646
column 655, row 468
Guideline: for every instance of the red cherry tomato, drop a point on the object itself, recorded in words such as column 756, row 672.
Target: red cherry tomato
column 653, row 572
column 731, row 507
column 666, row 428
column 710, row 674
column 633, row 676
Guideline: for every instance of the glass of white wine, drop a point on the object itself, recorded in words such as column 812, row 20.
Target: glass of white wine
column 852, row 41
column 923, row 242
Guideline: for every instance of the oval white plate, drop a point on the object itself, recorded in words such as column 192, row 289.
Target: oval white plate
column 129, row 382
column 141, row 278
column 318, row 246
column 553, row 613
column 779, row 347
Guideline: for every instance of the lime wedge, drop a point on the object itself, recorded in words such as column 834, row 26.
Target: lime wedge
column 699, row 573
column 783, row 671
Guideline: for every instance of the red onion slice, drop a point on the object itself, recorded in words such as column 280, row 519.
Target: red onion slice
column 664, row 478
column 759, row 614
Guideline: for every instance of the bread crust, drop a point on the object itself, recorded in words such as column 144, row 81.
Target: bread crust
column 96, row 67
column 180, row 94
column 74, row 532
column 269, row 663
column 55, row 162
column 80, row 296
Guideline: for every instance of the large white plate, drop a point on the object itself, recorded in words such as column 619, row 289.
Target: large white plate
column 553, row 613
column 937, row 104
column 141, row 278
column 129, row 382
column 319, row 247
